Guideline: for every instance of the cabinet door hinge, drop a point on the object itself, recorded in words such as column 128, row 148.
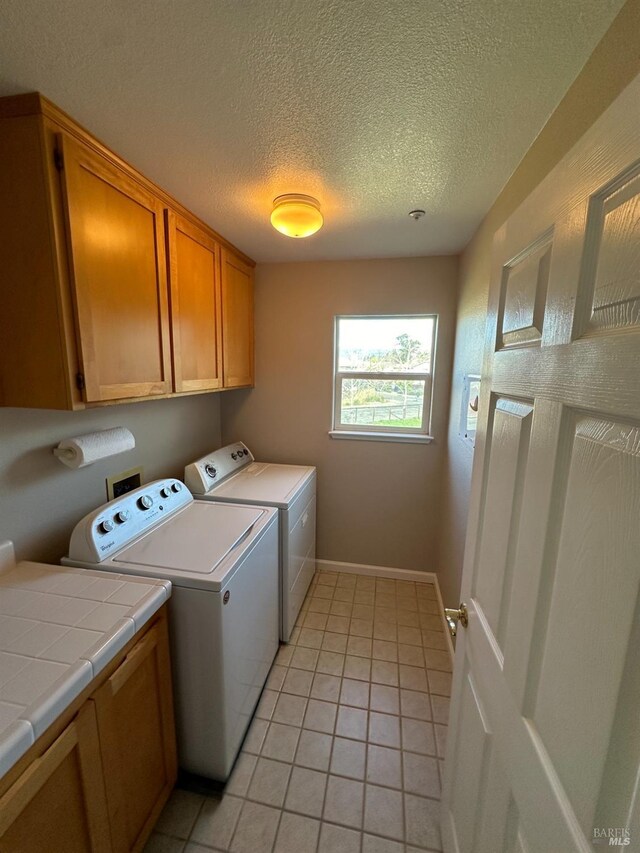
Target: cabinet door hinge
column 57, row 159
column 80, row 381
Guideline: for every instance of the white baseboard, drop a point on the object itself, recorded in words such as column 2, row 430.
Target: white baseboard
column 395, row 574
column 376, row 571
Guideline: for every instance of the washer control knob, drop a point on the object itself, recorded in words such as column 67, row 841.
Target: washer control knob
column 234, row 456
column 176, row 487
column 165, row 491
column 145, row 502
column 122, row 516
column 105, row 526
column 210, row 470
column 246, row 452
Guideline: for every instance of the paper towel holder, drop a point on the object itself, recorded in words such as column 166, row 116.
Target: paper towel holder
column 70, row 451
column 63, row 452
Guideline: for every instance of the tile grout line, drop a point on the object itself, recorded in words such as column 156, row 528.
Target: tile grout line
column 326, row 788
column 366, row 771
column 333, row 738
column 328, row 772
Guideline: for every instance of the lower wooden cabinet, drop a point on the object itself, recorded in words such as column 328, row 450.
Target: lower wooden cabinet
column 100, row 786
column 137, row 739
column 59, row 803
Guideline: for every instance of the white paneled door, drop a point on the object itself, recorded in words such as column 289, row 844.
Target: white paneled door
column 544, row 751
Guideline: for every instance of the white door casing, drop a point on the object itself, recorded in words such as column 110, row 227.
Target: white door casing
column 544, row 738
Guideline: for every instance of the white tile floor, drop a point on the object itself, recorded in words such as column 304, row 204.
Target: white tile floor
column 345, row 752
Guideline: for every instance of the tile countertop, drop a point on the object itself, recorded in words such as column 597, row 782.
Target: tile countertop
column 59, row 627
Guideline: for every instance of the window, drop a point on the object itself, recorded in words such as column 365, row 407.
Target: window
column 383, row 377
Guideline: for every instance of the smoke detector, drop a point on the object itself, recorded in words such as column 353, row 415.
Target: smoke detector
column 416, row 214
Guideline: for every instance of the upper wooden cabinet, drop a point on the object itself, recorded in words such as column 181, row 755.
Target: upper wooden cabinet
column 110, row 289
column 196, row 327
column 118, row 274
column 237, row 320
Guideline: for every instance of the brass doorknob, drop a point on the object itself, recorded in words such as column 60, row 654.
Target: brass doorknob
column 454, row 616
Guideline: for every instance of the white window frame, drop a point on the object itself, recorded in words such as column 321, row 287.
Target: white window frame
column 374, row 432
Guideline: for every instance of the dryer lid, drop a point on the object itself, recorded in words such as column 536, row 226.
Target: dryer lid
column 265, row 483
column 195, row 541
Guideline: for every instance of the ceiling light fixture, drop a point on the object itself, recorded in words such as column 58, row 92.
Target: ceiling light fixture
column 416, row 214
column 296, row 215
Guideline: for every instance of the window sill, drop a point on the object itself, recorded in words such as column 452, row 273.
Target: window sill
column 408, row 438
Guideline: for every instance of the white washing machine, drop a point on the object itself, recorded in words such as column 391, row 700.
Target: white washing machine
column 222, row 561
column 231, row 475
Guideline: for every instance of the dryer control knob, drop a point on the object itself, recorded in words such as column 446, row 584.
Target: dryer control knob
column 165, row 492
column 145, row 502
column 123, row 515
column 234, row 456
column 105, row 526
column 176, row 487
column 210, row 471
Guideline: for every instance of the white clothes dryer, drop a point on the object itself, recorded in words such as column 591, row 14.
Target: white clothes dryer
column 231, row 475
column 222, row 561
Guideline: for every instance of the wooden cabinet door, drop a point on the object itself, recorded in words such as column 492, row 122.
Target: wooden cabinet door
column 237, row 321
column 58, row 804
column 137, row 738
column 196, row 327
column 118, row 275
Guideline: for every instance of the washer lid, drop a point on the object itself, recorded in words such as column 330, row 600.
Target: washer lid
column 195, row 541
column 265, row 483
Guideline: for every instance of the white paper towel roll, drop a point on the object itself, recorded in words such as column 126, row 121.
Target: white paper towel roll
column 86, row 449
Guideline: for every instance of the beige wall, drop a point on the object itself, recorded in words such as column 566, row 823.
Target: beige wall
column 41, row 499
column 611, row 67
column 378, row 503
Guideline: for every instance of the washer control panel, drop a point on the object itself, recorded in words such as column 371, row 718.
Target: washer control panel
column 117, row 523
column 205, row 473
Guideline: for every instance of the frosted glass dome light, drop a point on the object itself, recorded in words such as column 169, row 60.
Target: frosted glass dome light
column 296, row 215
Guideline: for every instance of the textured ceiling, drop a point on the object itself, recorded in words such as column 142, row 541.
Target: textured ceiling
column 375, row 107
